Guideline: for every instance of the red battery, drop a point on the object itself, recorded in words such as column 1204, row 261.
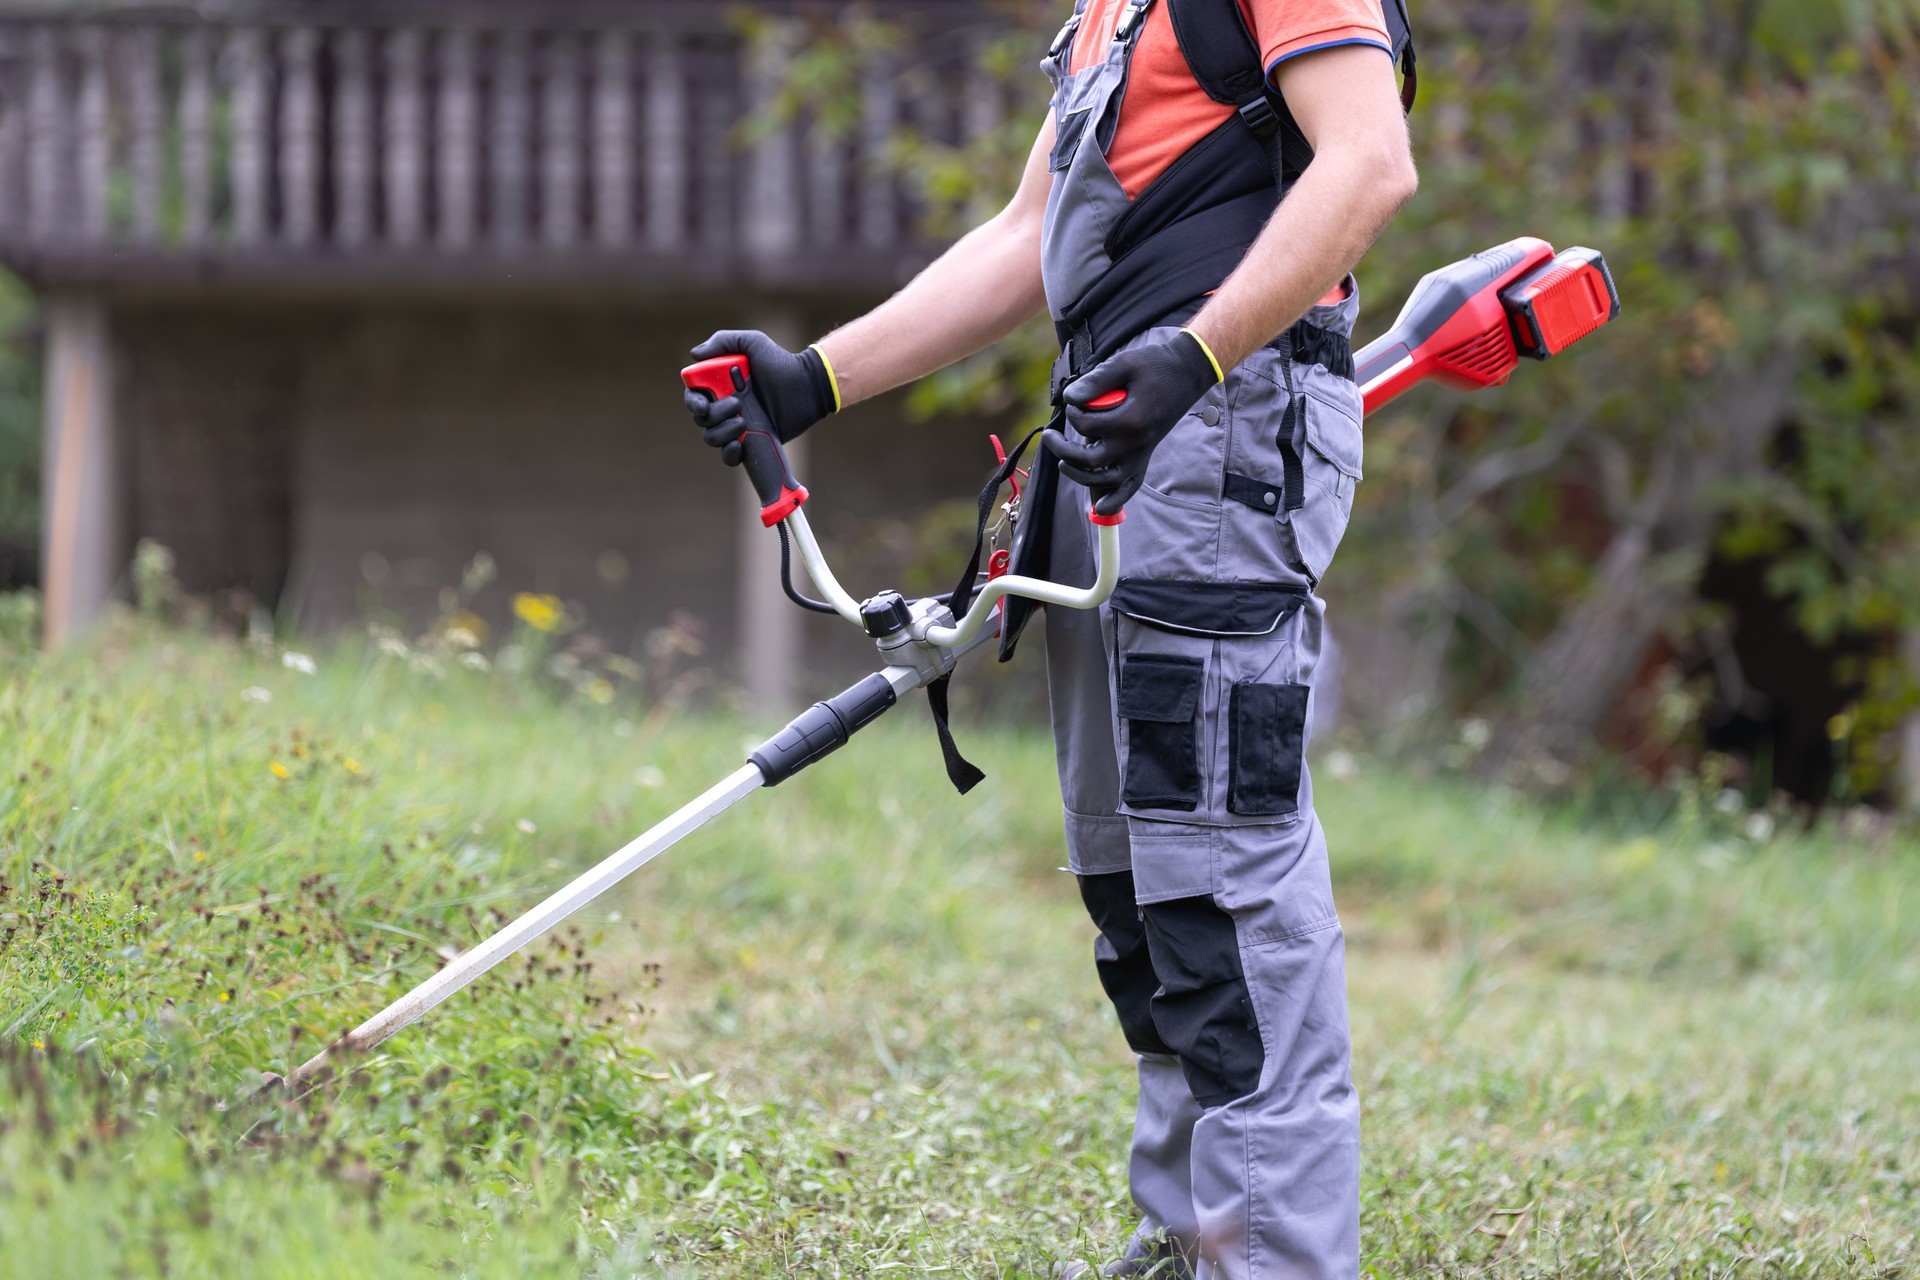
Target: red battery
column 1560, row 303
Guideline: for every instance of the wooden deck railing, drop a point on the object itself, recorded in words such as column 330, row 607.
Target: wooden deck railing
column 480, row 145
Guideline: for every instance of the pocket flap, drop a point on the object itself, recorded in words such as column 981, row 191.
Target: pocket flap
column 1159, row 688
column 1333, row 429
column 1219, row 609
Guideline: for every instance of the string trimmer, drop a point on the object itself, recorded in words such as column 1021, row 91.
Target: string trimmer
column 1466, row 325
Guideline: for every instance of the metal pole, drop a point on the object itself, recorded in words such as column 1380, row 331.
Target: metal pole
column 464, row 968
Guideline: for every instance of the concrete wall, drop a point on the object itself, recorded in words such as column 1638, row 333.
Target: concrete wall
column 346, row 463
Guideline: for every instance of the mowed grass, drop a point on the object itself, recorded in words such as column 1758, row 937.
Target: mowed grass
column 852, row 1028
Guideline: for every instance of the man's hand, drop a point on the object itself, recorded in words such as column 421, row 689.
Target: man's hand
column 795, row 389
column 1162, row 381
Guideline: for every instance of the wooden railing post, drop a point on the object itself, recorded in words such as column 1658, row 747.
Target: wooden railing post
column 142, row 48
column 247, row 167
column 879, row 115
column 508, row 155
column 196, row 108
column 613, row 139
column 49, row 123
column 13, row 139
column 559, row 170
column 352, row 140
column 403, row 134
column 299, row 152
column 459, row 141
column 771, row 214
column 666, row 145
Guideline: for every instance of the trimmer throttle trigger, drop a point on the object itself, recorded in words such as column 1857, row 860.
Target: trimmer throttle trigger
column 715, row 376
column 766, row 462
column 1109, row 399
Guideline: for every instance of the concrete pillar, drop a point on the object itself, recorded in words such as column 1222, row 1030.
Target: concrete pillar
column 770, row 624
column 84, row 530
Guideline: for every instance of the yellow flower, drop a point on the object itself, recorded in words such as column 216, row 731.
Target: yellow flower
column 600, row 691
column 38, row 1043
column 222, row 997
column 199, row 855
column 542, row 613
column 351, row 765
column 280, row 771
column 466, row 629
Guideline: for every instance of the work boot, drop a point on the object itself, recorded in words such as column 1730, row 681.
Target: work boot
column 1149, row 1255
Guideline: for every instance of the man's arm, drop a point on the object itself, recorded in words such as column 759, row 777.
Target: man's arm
column 1348, row 106
column 977, row 292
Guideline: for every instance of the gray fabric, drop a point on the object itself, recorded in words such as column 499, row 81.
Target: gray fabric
column 1266, row 1185
column 1263, row 1185
column 1085, row 198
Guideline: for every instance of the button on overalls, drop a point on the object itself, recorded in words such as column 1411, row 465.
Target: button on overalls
column 1181, row 713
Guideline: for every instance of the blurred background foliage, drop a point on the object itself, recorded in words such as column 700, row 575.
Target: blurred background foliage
column 19, row 437
column 1693, row 536
column 1605, row 558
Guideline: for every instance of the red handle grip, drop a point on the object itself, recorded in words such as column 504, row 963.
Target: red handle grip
column 1109, row 399
column 715, row 376
column 781, row 493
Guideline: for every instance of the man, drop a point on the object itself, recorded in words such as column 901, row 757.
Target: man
column 1148, row 222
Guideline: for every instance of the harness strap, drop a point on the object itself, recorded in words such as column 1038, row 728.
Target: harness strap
column 1292, row 429
column 1225, row 60
column 963, row 773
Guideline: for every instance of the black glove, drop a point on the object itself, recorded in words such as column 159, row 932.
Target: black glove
column 794, row 388
column 1162, row 381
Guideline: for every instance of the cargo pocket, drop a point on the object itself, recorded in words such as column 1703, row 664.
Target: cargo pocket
column 1177, row 640
column 1159, row 698
column 1331, row 434
column 1267, row 727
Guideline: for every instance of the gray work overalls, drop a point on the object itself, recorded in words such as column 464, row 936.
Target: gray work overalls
column 1181, row 713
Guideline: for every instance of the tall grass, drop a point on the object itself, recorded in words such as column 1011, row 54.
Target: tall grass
column 851, row 1028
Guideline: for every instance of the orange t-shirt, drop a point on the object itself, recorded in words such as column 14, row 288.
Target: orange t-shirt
column 1165, row 110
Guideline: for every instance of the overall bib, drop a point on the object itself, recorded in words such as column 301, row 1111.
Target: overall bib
column 1181, row 713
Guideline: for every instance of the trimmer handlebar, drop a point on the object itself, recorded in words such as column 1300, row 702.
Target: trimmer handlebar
column 780, row 492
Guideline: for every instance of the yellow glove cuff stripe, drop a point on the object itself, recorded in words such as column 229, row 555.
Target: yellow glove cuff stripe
column 1219, row 374
column 833, row 379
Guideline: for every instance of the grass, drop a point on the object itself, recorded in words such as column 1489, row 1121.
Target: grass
column 852, row 1028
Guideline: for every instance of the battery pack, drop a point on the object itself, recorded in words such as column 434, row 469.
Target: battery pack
column 1560, row 303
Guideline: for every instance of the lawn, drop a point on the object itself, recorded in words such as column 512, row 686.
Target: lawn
column 852, row 1028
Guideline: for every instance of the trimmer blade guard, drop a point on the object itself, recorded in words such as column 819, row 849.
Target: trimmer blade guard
column 1559, row 304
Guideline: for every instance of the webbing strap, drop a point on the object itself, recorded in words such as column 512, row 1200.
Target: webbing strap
column 1292, row 429
column 962, row 772
column 962, row 593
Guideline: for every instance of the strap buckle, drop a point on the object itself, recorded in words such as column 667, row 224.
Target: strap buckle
column 1136, row 9
column 1065, row 36
column 1261, row 117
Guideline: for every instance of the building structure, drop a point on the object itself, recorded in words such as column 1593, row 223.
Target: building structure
column 338, row 294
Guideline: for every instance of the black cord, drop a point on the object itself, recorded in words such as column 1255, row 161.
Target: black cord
column 786, row 576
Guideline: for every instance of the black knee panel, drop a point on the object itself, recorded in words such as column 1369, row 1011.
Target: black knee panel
column 1203, row 1011
column 1121, row 958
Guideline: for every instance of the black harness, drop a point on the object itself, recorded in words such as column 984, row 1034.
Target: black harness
column 1176, row 243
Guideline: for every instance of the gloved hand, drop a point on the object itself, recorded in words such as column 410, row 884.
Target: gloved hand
column 1162, row 381
column 794, row 388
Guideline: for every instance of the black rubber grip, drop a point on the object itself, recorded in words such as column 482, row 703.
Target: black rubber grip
column 822, row 729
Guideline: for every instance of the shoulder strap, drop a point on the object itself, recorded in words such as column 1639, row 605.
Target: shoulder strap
column 1219, row 49
column 1221, row 52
